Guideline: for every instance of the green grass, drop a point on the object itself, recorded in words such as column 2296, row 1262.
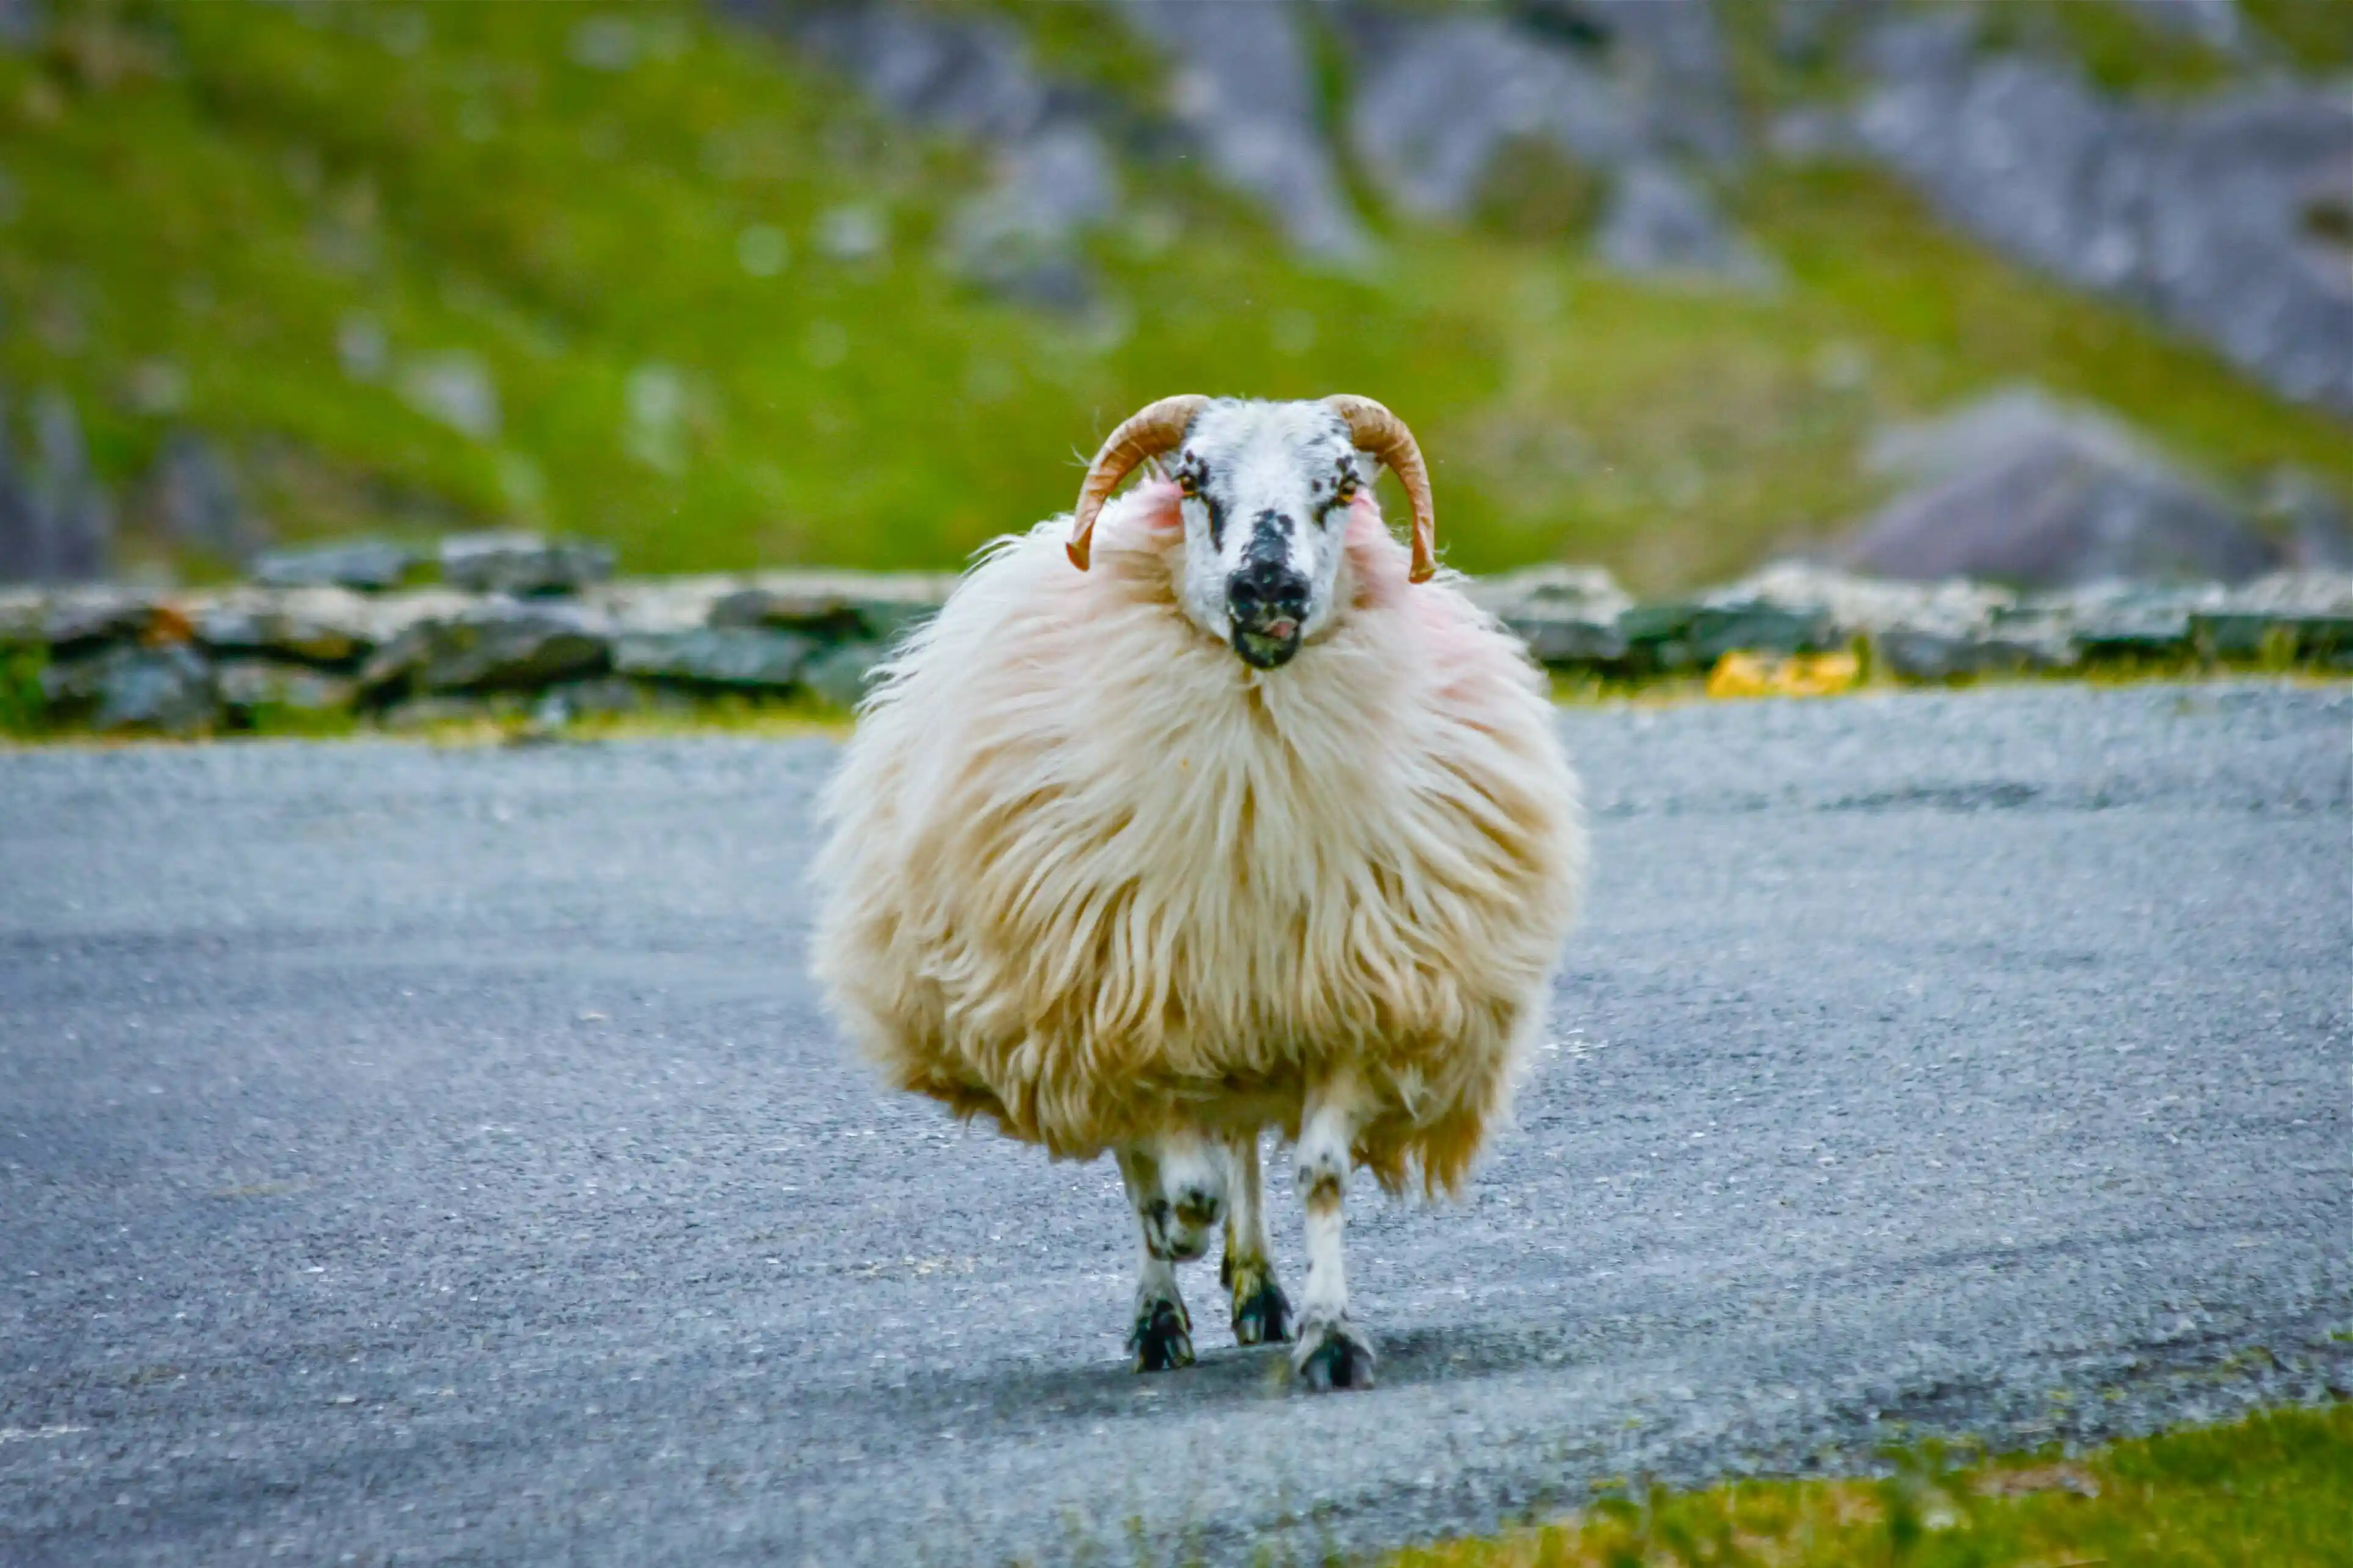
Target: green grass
column 2272, row 1491
column 277, row 222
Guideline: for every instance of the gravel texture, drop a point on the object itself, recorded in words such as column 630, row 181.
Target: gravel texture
column 439, row 1155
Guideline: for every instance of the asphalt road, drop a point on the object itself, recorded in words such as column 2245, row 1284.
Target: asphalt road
column 427, row 1155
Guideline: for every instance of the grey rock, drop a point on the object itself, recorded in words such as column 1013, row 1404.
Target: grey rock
column 1438, row 101
column 1608, row 84
column 1245, row 89
column 715, row 656
column 839, row 674
column 1674, row 50
column 57, row 525
column 1986, row 431
column 2108, row 619
column 493, row 645
column 1917, row 631
column 1658, row 223
column 1864, row 607
column 76, row 619
column 1567, row 614
column 126, row 687
column 455, row 389
column 1052, row 176
column 966, row 74
column 522, row 564
column 2201, row 214
column 878, row 606
column 2302, row 511
column 2014, row 646
column 1435, row 101
column 197, row 503
column 24, row 615
column 2218, row 22
column 249, row 685
column 1658, row 635
column 367, row 564
column 23, row 22
column 322, row 625
column 2019, row 490
column 1812, row 133
column 1018, row 237
column 1733, row 621
column 674, row 603
column 2301, row 613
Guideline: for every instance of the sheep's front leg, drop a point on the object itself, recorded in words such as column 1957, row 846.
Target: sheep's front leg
column 1177, row 1186
column 1262, row 1311
column 1332, row 1351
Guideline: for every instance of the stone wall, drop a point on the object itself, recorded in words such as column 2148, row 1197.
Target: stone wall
column 532, row 630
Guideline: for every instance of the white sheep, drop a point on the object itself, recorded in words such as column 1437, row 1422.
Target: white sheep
column 1095, row 878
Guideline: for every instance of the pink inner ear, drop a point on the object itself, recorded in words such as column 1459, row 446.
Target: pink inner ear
column 1154, row 505
column 1378, row 560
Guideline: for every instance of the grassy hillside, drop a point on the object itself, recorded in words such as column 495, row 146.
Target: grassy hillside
column 571, row 267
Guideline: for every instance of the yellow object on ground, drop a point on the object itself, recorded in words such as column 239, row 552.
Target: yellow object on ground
column 1799, row 674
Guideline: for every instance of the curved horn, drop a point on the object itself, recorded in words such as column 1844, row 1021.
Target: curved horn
column 1155, row 428
column 1385, row 436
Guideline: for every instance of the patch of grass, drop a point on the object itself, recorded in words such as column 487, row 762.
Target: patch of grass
column 2275, row 1490
column 284, row 721
column 24, row 709
column 422, row 265
column 2121, row 48
column 2315, row 35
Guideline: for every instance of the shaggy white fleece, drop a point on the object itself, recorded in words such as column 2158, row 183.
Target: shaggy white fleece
column 1090, row 875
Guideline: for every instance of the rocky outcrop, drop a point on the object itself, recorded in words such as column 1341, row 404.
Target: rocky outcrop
column 369, row 564
column 522, row 564
column 1626, row 90
column 2214, row 215
column 1661, row 224
column 194, row 500
column 56, row 523
column 1052, row 174
column 1246, row 91
column 2023, row 490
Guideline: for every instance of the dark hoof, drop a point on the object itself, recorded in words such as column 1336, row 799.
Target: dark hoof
column 1262, row 1311
column 1333, row 1355
column 1163, row 1341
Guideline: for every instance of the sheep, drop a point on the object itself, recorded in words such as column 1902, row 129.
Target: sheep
column 1230, row 829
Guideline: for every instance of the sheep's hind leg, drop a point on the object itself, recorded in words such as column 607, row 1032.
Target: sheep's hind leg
column 1179, row 1193
column 1262, row 1311
column 1332, row 1351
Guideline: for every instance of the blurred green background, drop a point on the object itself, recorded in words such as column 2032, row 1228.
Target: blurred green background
column 677, row 277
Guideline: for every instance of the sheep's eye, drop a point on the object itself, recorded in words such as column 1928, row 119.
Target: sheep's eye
column 1347, row 491
column 1188, row 484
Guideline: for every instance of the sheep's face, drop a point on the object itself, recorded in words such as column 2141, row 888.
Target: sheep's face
column 1266, row 491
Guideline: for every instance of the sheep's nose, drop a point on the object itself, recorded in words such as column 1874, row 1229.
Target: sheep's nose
column 1265, row 591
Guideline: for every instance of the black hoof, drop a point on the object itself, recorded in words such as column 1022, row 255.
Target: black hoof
column 1261, row 1313
column 1333, row 1355
column 1163, row 1341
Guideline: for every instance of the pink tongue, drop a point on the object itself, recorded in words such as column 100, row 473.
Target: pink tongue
column 1280, row 628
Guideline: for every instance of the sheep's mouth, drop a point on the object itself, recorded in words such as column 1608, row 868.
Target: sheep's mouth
column 1268, row 644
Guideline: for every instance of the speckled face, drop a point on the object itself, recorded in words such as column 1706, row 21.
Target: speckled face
column 1266, row 492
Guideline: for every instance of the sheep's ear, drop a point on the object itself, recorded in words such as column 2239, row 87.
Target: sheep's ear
column 1155, row 428
column 1376, row 430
